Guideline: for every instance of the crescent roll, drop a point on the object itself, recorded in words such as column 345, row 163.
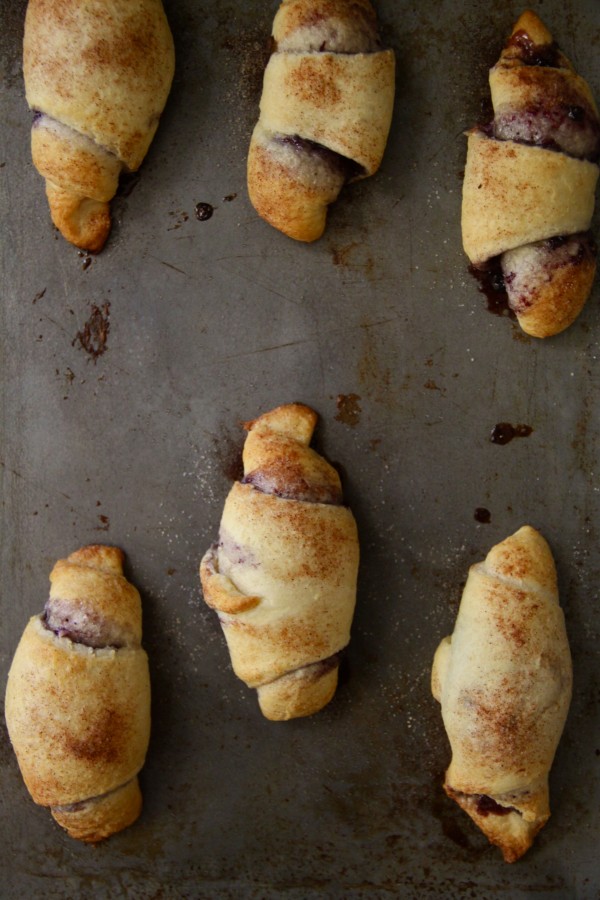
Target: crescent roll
column 78, row 697
column 325, row 112
column 97, row 76
column 530, row 180
column 282, row 575
column 503, row 679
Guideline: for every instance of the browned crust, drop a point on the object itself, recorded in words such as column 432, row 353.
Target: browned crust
column 504, row 683
column 283, row 576
column 83, row 222
column 511, row 832
column 92, row 578
column 79, row 718
column 104, row 70
column 298, row 694
column 281, row 199
column 556, row 302
column 294, row 15
column 219, row 592
column 532, row 25
column 514, row 195
column 98, row 819
column 340, row 100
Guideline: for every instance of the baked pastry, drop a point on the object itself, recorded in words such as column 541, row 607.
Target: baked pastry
column 503, row 679
column 97, row 76
column 528, row 193
column 325, row 112
column 78, row 697
column 282, row 576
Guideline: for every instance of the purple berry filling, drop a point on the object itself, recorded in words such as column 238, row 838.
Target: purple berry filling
column 533, row 54
column 486, row 806
column 523, row 272
column 337, row 164
column 300, row 490
column 66, row 619
column 569, row 128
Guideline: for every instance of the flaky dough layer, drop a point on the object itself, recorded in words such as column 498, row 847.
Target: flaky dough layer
column 514, row 194
column 283, row 574
column 503, row 679
column 97, row 75
column 530, row 181
column 325, row 112
column 78, row 710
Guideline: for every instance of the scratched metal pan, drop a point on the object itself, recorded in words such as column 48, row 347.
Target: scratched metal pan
column 124, row 380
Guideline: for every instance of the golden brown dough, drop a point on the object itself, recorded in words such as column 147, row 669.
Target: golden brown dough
column 283, row 574
column 325, row 112
column 78, row 697
column 97, row 76
column 503, row 679
column 530, row 178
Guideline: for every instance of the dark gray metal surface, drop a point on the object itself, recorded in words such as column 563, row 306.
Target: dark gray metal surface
column 210, row 324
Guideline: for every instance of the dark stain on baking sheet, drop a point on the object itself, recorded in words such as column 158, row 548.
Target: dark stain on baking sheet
column 352, row 256
column 228, row 452
column 490, row 283
column 104, row 523
column 348, row 409
column 128, row 181
column 94, row 334
column 6, row 752
column 204, row 211
column 11, row 42
column 251, row 50
column 504, row 432
column 179, row 219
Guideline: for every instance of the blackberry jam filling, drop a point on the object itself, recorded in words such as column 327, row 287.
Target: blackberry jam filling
column 534, row 54
column 339, row 164
column 299, row 490
column 486, row 806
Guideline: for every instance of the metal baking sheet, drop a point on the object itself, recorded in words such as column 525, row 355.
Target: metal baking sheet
column 125, row 378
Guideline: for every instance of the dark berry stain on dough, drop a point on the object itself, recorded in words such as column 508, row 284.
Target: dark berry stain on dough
column 534, row 54
column 487, row 806
column 94, row 334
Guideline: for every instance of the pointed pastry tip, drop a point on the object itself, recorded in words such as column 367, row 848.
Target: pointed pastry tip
column 534, row 28
column 99, row 556
column 504, row 827
column 525, row 556
column 295, row 420
column 81, row 221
